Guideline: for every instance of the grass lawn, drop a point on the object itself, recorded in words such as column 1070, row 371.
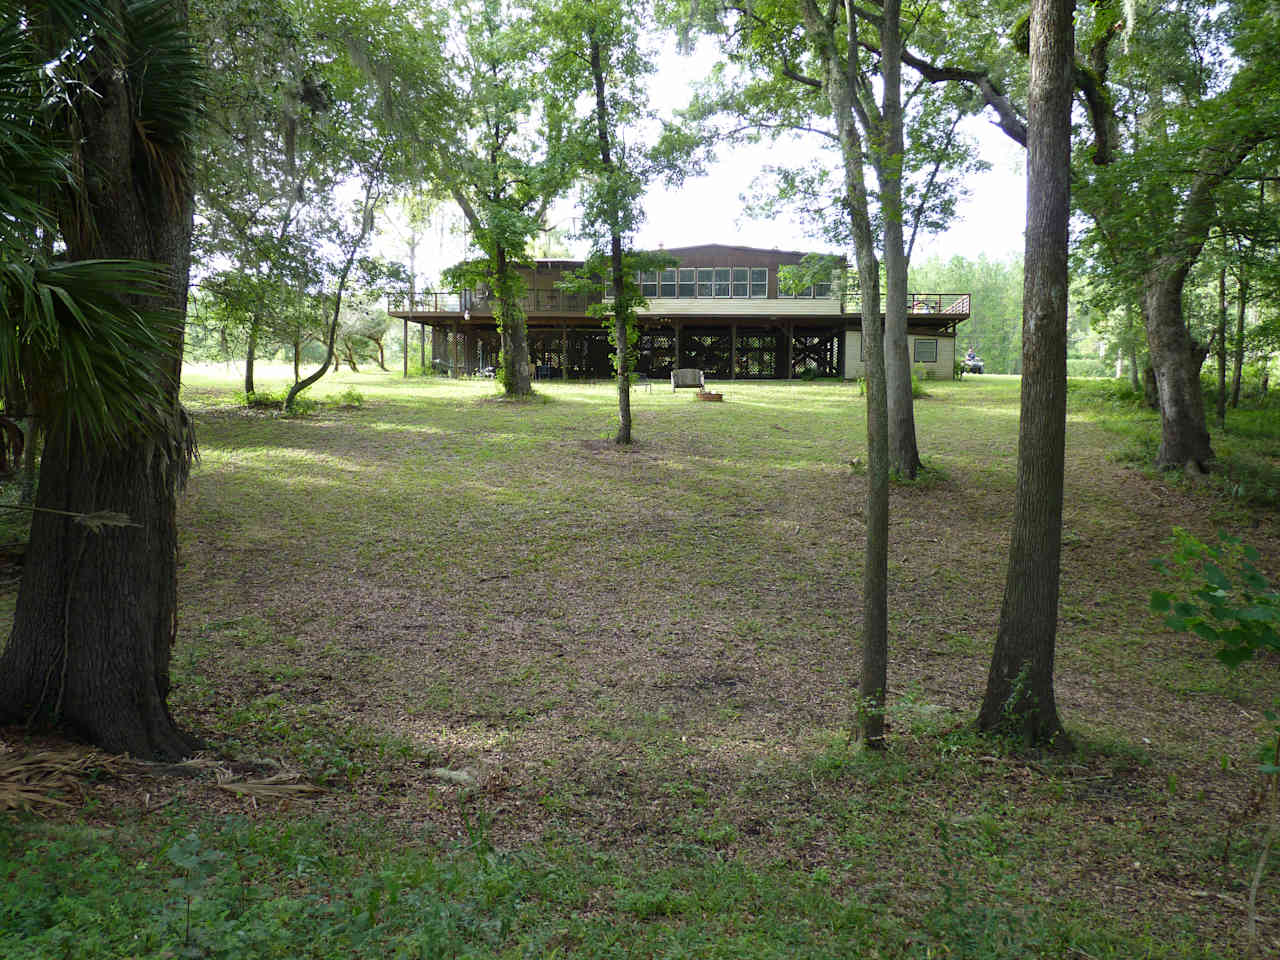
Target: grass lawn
column 571, row 700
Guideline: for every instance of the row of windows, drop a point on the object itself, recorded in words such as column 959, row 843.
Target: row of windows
column 739, row 282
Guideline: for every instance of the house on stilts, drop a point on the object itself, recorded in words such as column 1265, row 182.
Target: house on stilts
column 719, row 309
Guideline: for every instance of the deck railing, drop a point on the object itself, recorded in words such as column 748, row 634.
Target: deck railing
column 454, row 301
column 928, row 304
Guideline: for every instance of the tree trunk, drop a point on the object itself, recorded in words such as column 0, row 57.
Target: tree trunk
column 516, row 379
column 1237, row 360
column 904, row 454
column 366, row 227
column 1176, row 361
column 97, row 611
column 250, row 352
column 1135, row 378
column 621, row 308
column 1221, row 337
column 869, row 729
column 1019, row 695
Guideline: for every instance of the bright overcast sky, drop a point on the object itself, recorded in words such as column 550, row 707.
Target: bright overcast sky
column 708, row 209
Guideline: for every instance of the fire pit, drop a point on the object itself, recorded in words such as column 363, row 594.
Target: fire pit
column 708, row 395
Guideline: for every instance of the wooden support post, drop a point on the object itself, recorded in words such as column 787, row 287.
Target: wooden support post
column 675, row 360
column 422, row 346
column 405, row 344
column 454, row 374
column 790, row 341
column 564, row 352
column 733, row 352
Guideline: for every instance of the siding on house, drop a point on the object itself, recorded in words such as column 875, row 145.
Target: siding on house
column 941, row 368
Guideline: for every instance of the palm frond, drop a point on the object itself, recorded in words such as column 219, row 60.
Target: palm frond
column 82, row 351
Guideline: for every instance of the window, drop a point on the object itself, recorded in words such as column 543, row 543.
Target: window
column 687, row 286
column 741, row 287
column 649, row 283
column 806, row 292
column 822, row 289
column 759, row 281
column 668, row 285
column 706, row 282
column 722, row 281
column 926, row 351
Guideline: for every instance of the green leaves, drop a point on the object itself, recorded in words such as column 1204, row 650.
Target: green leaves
column 1231, row 605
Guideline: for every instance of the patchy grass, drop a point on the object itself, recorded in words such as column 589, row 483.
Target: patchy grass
column 570, row 699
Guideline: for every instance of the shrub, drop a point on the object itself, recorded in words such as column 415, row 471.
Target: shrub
column 1089, row 367
column 350, row 398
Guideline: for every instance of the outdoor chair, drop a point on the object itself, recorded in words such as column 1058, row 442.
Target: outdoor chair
column 687, row 377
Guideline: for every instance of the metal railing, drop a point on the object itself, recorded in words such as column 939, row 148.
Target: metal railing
column 921, row 304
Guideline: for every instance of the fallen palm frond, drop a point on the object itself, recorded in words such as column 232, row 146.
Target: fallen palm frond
column 31, row 781
column 280, row 786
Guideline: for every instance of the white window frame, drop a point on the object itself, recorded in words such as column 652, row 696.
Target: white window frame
column 662, row 283
column 692, row 282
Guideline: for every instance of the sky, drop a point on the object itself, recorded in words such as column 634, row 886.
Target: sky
column 709, row 209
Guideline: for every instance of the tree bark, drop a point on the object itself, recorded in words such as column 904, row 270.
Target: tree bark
column 97, row 611
column 517, row 379
column 904, row 453
column 1020, row 695
column 1237, row 360
column 621, row 308
column 1176, row 360
column 249, row 354
column 839, row 86
column 1221, row 337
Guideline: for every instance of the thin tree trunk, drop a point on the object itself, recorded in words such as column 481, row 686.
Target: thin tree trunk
column 1237, row 360
column 621, row 308
column 366, row 227
column 1221, row 336
column 250, row 352
column 1020, row 694
column 97, row 611
column 904, row 453
column 838, row 83
column 1135, row 378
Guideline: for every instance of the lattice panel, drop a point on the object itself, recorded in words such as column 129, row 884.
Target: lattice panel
column 655, row 354
column 707, row 352
column 819, row 355
column 757, row 357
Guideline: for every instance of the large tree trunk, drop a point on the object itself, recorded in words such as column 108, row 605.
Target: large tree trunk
column 97, row 612
column 1019, row 694
column 516, row 375
column 904, row 454
column 1176, row 360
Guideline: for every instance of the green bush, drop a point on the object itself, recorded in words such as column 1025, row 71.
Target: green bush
column 350, row 398
column 1089, row 367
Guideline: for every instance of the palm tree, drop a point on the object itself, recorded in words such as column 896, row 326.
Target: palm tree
column 97, row 109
